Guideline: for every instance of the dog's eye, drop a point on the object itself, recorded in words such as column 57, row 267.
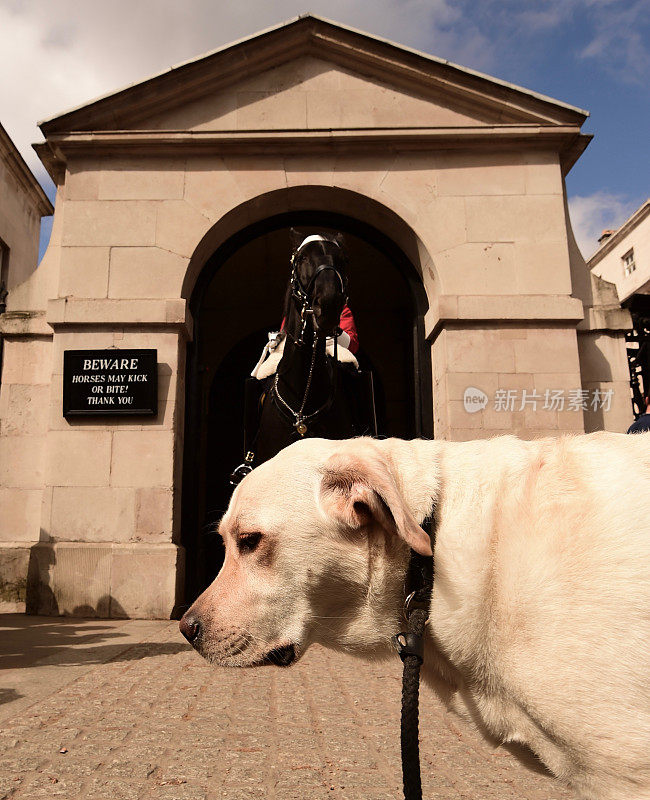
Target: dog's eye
column 248, row 542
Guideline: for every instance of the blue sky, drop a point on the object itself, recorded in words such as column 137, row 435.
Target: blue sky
column 594, row 54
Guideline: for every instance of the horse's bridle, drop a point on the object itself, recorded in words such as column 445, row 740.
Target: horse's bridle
column 303, row 295
column 303, row 299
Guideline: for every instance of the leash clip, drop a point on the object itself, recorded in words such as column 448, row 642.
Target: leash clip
column 409, row 644
column 240, row 472
column 412, row 602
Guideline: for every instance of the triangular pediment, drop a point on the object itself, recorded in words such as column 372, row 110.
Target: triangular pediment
column 310, row 93
column 326, row 76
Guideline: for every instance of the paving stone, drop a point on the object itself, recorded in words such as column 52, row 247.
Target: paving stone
column 157, row 723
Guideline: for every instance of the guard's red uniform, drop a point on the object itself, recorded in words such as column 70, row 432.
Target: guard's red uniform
column 348, row 326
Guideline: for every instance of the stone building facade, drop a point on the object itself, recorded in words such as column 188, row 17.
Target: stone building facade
column 623, row 257
column 22, row 204
column 175, row 197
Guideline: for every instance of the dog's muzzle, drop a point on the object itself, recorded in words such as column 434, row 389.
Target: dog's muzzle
column 281, row 656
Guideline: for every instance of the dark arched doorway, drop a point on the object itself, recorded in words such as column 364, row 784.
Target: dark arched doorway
column 237, row 299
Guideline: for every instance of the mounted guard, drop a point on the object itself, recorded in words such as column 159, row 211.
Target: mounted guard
column 308, row 381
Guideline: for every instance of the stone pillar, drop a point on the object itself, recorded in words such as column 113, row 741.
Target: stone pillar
column 601, row 343
column 522, row 345
column 110, row 526
column 603, row 359
column 24, row 409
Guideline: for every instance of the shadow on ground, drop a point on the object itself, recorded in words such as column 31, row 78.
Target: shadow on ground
column 32, row 641
column 527, row 758
column 9, row 695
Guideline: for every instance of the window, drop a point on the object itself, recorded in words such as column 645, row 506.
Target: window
column 628, row 263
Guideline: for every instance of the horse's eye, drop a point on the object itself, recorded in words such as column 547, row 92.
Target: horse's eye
column 248, row 542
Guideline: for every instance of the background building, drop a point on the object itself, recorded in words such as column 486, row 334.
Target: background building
column 22, row 204
column 623, row 258
column 171, row 233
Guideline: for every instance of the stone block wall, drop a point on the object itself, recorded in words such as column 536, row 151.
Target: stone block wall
column 24, row 403
column 528, row 373
column 491, row 224
column 95, row 579
column 93, row 506
column 22, row 204
column 603, row 361
column 110, row 489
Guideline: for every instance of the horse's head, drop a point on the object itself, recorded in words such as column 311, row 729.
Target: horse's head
column 319, row 278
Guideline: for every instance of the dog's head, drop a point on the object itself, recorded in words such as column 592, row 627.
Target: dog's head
column 317, row 540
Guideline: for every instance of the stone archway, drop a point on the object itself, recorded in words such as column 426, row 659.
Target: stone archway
column 236, row 298
column 229, row 231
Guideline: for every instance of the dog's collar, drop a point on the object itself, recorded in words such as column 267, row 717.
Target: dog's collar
column 418, row 584
column 418, row 589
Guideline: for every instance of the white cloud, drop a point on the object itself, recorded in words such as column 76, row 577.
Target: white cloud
column 592, row 214
column 62, row 53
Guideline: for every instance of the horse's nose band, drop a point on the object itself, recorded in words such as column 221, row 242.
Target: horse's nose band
column 318, row 271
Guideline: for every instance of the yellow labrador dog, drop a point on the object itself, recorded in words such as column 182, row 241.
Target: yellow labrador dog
column 540, row 618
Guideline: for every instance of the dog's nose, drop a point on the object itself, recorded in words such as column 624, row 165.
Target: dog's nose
column 190, row 627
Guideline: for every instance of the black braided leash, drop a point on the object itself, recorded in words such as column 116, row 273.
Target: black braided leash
column 410, row 646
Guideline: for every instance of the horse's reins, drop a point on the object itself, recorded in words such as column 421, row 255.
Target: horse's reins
column 303, row 297
column 418, row 587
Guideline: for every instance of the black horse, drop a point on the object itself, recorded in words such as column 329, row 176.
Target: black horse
column 311, row 393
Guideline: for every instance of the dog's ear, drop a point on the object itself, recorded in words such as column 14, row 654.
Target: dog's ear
column 359, row 490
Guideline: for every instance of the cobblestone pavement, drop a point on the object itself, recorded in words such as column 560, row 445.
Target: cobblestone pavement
column 108, row 710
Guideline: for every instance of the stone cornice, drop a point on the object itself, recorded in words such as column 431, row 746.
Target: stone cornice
column 24, row 324
column 605, row 318
column 23, row 175
column 566, row 139
column 464, row 309
column 65, row 312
